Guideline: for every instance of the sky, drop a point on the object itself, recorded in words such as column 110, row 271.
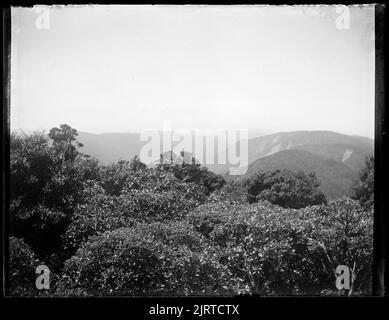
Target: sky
column 133, row 68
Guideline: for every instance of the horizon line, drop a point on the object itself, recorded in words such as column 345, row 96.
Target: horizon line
column 252, row 130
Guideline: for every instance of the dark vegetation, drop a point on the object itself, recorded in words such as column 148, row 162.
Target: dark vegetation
column 176, row 229
column 285, row 188
column 336, row 178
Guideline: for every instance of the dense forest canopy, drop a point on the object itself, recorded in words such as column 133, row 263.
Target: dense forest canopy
column 176, row 229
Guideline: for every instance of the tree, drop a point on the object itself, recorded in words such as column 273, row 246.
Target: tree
column 65, row 142
column 33, row 216
column 136, row 164
column 363, row 188
column 32, row 165
column 115, row 176
column 285, row 188
column 46, row 179
column 195, row 173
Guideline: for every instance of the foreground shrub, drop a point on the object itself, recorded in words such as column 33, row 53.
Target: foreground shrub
column 22, row 264
column 149, row 196
column 21, row 273
column 148, row 259
column 230, row 192
column 342, row 232
column 287, row 251
column 98, row 214
column 41, row 226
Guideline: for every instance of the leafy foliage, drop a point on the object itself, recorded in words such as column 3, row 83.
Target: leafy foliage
column 335, row 177
column 63, row 139
column 147, row 195
column 22, row 264
column 285, row 188
column 363, row 188
column 148, row 259
column 32, row 165
column 115, row 177
column 232, row 191
column 195, row 173
column 287, row 251
column 46, row 179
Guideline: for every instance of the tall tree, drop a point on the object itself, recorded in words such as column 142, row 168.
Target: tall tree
column 65, row 142
column 363, row 188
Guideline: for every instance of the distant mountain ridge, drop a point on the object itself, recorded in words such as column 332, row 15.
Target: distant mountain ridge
column 111, row 147
column 304, row 140
column 335, row 158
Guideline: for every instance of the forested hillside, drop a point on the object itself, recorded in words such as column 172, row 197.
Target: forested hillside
column 179, row 229
column 335, row 177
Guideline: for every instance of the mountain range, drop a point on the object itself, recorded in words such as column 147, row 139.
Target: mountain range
column 335, row 158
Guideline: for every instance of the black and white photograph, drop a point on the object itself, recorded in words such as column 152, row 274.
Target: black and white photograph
column 192, row 151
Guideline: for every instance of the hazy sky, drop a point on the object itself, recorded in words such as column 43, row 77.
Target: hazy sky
column 123, row 69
